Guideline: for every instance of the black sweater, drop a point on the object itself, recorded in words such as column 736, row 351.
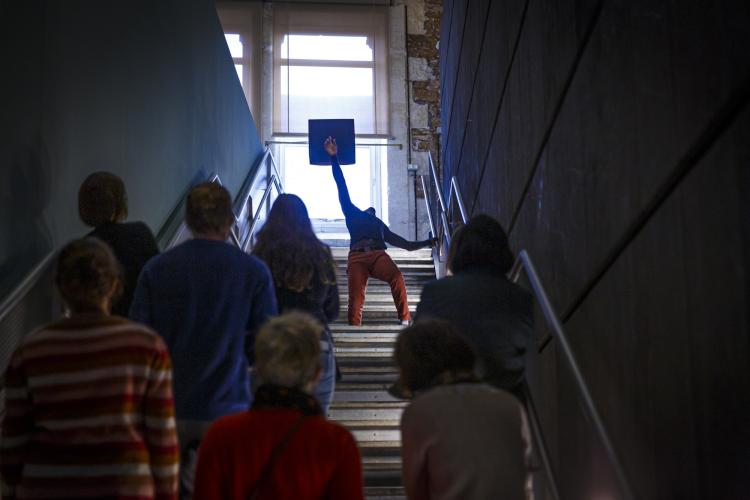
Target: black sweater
column 133, row 244
column 366, row 229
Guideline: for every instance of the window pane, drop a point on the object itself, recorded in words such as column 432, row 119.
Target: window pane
column 238, row 68
column 326, row 48
column 234, row 44
column 315, row 185
column 326, row 92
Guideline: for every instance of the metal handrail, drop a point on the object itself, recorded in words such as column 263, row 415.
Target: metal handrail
column 524, row 262
column 441, row 227
column 273, row 180
column 541, row 443
column 22, row 289
column 274, row 183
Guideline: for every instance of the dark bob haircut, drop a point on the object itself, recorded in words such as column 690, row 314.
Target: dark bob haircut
column 101, row 199
column 87, row 273
column 480, row 244
column 428, row 349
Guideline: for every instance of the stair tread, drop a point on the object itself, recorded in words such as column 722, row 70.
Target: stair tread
column 365, row 357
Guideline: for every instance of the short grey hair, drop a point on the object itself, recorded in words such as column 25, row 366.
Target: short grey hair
column 287, row 350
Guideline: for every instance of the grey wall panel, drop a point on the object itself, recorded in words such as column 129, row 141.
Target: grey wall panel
column 471, row 44
column 628, row 120
column 471, row 52
column 449, row 68
column 446, row 25
column 662, row 339
column 503, row 23
column 145, row 90
column 636, row 214
column 545, row 56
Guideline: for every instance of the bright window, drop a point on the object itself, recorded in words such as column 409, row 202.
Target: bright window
column 330, row 62
column 240, row 22
column 315, row 184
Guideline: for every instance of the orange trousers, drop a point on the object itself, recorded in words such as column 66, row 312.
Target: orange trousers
column 376, row 264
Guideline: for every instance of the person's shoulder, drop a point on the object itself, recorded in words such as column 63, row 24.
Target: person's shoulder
column 469, row 396
column 252, row 263
column 137, row 228
column 224, row 430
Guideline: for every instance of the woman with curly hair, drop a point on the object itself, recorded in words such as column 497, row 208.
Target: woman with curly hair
column 304, row 276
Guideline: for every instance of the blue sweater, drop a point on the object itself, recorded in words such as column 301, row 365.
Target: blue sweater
column 204, row 298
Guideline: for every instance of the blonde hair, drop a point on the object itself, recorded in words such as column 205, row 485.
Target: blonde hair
column 287, row 350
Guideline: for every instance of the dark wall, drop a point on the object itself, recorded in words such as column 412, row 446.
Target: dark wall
column 612, row 140
column 144, row 89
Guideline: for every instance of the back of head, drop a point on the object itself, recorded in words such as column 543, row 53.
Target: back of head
column 209, row 209
column 288, row 245
column 288, row 217
column 429, row 349
column 371, row 211
column 101, row 199
column 87, row 275
column 287, row 350
column 480, row 244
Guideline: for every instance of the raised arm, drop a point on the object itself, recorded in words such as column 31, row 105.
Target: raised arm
column 338, row 175
column 398, row 241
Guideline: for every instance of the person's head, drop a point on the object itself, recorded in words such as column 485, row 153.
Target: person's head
column 287, row 243
column 101, row 199
column 209, row 211
column 431, row 352
column 287, row 351
column 480, row 244
column 88, row 276
column 371, row 211
column 289, row 216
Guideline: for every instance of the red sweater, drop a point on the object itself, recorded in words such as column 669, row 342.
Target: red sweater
column 321, row 460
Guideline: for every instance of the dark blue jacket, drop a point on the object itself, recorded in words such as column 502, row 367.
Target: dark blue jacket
column 204, row 298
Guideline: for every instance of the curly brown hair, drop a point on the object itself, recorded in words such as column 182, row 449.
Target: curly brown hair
column 429, row 349
column 288, row 245
column 87, row 273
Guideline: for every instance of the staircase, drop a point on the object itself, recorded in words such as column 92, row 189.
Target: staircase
column 364, row 353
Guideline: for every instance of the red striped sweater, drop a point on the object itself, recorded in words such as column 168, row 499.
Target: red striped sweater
column 89, row 413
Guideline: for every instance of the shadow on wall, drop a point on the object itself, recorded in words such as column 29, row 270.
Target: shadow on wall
column 26, row 190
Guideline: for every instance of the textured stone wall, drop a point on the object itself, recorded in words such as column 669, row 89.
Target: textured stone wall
column 422, row 45
column 415, row 107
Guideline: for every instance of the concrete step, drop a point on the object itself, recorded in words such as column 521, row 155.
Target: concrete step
column 365, row 356
column 384, row 493
column 347, row 351
column 341, row 326
column 367, row 373
column 341, row 253
column 384, row 297
column 365, row 338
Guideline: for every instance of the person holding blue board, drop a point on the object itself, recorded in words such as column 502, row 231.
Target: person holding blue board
column 367, row 255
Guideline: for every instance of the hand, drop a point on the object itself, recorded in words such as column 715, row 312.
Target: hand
column 330, row 146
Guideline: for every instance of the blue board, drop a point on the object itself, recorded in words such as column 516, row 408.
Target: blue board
column 341, row 130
